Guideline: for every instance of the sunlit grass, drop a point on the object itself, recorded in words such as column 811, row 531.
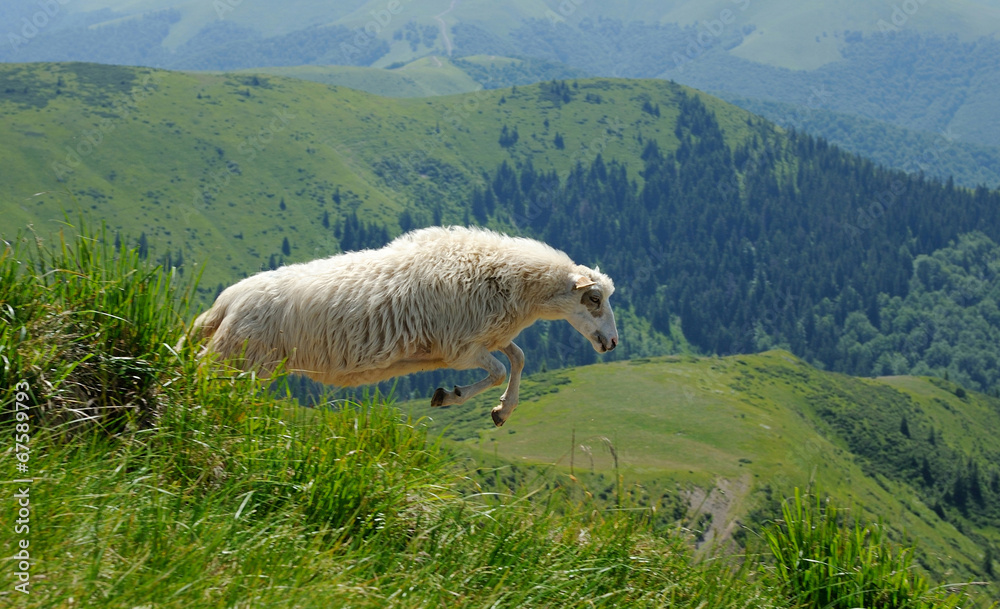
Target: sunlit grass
column 161, row 479
column 822, row 560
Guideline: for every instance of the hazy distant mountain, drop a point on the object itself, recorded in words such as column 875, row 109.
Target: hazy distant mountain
column 926, row 67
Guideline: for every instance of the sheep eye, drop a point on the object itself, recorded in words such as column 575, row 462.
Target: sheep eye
column 595, row 299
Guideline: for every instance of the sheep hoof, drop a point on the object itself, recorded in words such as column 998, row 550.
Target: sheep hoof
column 438, row 399
column 496, row 418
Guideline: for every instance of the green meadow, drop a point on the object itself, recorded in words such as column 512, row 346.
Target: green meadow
column 741, row 428
column 225, row 167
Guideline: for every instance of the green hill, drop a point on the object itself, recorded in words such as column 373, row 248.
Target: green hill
column 777, row 50
column 225, row 167
column 431, row 75
column 922, row 67
column 744, row 428
column 938, row 155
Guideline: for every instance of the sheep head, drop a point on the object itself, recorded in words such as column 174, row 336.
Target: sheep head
column 588, row 311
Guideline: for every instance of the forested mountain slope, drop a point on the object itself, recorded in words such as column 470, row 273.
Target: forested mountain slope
column 724, row 233
column 939, row 155
column 782, row 241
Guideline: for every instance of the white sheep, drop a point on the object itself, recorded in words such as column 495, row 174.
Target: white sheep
column 433, row 298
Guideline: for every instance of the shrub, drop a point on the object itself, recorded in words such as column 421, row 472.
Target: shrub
column 89, row 324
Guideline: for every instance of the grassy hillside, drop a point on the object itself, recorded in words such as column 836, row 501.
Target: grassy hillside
column 154, row 477
column 424, row 77
column 226, row 167
column 179, row 158
column 432, row 75
column 938, row 155
column 923, row 66
column 750, row 426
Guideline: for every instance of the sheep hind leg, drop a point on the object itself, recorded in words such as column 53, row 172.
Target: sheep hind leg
column 497, row 373
column 509, row 399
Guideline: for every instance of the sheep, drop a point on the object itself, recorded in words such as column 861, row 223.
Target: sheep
column 432, row 298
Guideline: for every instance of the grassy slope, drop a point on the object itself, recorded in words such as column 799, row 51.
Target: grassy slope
column 425, row 77
column 144, row 175
column 157, row 478
column 192, row 164
column 736, row 423
column 774, row 33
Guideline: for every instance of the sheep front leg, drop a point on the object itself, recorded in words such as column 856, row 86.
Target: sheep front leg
column 459, row 395
column 508, row 401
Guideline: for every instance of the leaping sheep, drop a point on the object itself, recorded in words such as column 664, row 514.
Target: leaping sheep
column 432, row 298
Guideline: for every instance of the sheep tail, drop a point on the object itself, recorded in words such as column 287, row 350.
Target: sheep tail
column 208, row 322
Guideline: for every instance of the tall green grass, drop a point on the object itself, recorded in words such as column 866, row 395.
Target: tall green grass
column 161, row 480
column 822, row 560
column 89, row 324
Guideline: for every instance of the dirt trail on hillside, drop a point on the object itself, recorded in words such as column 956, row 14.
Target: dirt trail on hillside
column 444, row 27
column 722, row 503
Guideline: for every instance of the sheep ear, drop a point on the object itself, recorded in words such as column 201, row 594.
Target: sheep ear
column 582, row 282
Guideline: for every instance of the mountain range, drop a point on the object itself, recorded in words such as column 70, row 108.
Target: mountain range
column 924, row 68
column 784, row 194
